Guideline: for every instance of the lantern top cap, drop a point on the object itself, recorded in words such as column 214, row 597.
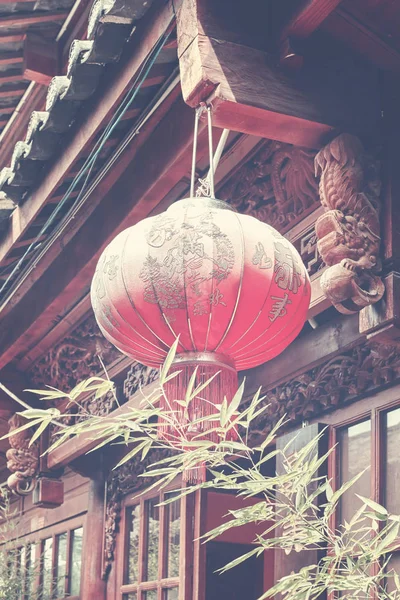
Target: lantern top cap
column 200, row 201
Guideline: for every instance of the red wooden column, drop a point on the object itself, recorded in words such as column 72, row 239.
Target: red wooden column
column 92, row 584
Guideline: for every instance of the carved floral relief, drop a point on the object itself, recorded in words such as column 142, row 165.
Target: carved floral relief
column 341, row 380
column 277, row 185
column 74, row 358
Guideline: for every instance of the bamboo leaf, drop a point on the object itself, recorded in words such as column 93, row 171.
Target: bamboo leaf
column 236, row 400
column 189, row 389
column 43, row 425
column 23, row 427
column 168, row 361
column 378, row 508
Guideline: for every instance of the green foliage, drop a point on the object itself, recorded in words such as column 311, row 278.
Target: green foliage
column 355, row 555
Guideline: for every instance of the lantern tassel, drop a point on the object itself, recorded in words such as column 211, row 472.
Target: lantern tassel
column 194, row 421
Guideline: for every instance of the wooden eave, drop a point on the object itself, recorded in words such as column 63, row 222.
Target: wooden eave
column 51, row 188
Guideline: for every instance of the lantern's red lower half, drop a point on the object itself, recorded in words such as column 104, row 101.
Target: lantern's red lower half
column 230, row 287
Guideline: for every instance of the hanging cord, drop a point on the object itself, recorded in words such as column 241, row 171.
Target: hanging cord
column 199, row 110
column 206, row 185
column 210, row 152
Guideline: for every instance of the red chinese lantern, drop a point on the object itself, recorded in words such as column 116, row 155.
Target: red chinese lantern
column 232, row 288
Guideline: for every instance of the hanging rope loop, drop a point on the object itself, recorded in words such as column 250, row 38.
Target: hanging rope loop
column 206, row 186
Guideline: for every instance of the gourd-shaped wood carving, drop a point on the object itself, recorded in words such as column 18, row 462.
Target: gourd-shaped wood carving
column 22, row 458
column 349, row 232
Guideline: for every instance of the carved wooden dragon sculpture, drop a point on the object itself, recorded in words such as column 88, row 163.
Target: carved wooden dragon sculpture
column 349, row 232
column 22, row 459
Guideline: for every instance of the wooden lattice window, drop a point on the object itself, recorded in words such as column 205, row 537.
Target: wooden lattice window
column 155, row 547
column 60, row 559
column 49, row 568
column 366, row 438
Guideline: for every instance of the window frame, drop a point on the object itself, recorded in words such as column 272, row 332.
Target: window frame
column 36, row 541
column 183, row 581
column 372, row 407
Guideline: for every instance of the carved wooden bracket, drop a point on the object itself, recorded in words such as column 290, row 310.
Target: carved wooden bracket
column 348, row 233
column 22, row 459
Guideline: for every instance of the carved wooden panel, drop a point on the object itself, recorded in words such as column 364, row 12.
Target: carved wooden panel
column 138, row 377
column 277, row 185
column 74, row 358
column 341, row 380
column 307, row 247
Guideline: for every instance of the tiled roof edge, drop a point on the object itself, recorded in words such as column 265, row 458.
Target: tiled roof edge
column 110, row 25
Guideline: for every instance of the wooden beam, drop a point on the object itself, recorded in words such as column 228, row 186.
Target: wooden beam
column 305, row 353
column 158, row 73
column 7, row 110
column 18, row 77
column 308, row 17
column 40, row 59
column 12, row 38
column 12, row 93
column 249, row 94
column 11, row 59
column 114, row 89
column 362, row 40
column 21, row 20
column 23, row 243
column 74, row 448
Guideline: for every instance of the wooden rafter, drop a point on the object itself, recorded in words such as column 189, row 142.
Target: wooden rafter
column 12, row 38
column 21, row 20
column 345, row 27
column 11, row 59
column 7, row 110
column 12, row 93
column 308, row 17
column 11, row 78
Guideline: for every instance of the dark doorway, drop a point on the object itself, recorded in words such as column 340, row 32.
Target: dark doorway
column 243, row 582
